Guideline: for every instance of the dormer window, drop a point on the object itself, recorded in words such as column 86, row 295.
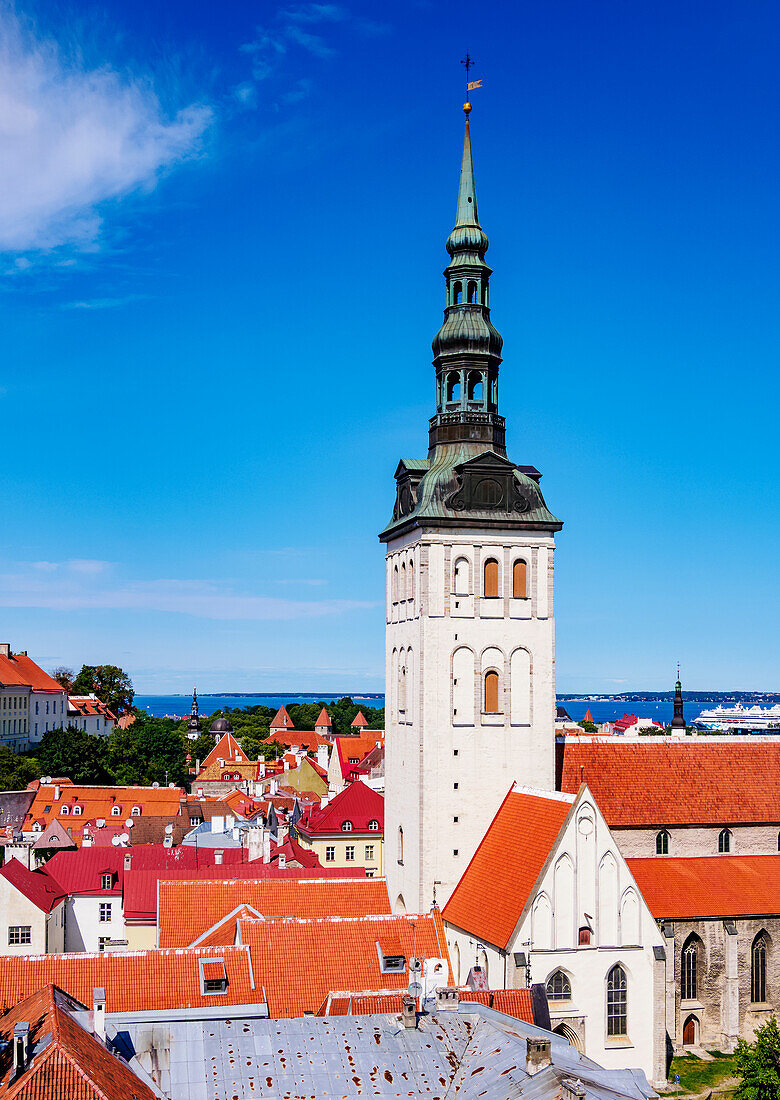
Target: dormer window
column 373, row 826
column 391, row 959
column 106, row 882
column 346, row 826
column 213, row 976
column 116, row 811
column 64, row 811
column 226, row 776
column 78, row 810
column 136, row 811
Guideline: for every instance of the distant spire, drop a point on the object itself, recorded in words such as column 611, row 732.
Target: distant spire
column 194, row 726
column 678, row 722
column 467, row 192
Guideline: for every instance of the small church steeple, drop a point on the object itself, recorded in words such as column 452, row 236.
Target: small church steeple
column 194, row 726
column 467, row 348
column 678, row 722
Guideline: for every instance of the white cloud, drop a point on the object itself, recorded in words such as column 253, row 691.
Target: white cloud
column 77, row 585
column 104, row 303
column 72, row 139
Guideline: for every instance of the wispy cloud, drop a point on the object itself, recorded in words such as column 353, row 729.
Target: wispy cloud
column 105, row 303
column 73, row 138
column 84, row 585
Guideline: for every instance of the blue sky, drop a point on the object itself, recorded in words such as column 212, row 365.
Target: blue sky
column 222, row 234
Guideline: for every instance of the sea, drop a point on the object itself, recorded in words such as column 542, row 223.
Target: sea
column 602, row 710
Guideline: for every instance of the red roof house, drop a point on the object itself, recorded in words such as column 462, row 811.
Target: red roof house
column 228, row 750
column 358, row 806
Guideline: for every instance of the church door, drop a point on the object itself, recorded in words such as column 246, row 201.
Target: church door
column 689, row 1032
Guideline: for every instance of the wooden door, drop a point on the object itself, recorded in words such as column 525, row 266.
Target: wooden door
column 689, row 1032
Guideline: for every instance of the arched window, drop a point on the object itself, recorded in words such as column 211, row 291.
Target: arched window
column 472, row 291
column 373, row 826
column 453, row 386
column 395, row 584
column 724, row 841
column 520, row 580
column 116, row 811
column 662, row 843
column 402, row 586
column 136, row 811
column 460, row 577
column 401, row 846
column 688, row 968
column 558, row 987
column 475, row 386
column 758, row 969
column 78, row 810
column 457, row 293
column 346, row 826
column 617, row 1001
column 490, row 588
column 491, row 692
column 64, row 811
column 410, row 592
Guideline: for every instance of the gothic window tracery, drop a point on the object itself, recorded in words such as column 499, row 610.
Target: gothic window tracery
column 758, row 969
column 558, row 987
column 617, row 1001
column 689, row 969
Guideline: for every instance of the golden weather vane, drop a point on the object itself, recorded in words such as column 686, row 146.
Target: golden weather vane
column 468, row 61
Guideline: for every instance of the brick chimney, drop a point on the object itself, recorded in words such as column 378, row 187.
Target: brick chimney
column 537, row 1055
column 5, row 649
column 446, row 997
column 409, row 1012
column 572, row 1089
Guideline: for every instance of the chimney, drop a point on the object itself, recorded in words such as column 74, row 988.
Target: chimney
column 572, row 1089
column 128, row 860
column 409, row 1012
column 5, row 649
column 282, row 861
column 99, row 1013
column 537, row 1055
column 21, row 1047
column 218, row 857
column 57, row 792
column 87, row 840
column 266, row 846
column 168, row 842
column 446, row 997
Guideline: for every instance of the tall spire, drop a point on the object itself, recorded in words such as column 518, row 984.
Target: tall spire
column 194, row 726
column 678, row 722
column 467, row 348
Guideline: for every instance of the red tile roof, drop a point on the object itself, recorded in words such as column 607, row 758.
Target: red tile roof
column 19, row 669
column 357, row 804
column 492, row 893
column 301, row 961
column 140, row 887
column 73, row 1065
column 134, row 981
column 362, row 1004
column 293, row 851
column 305, row 739
column 188, row 908
column 324, row 719
column 81, row 872
column 38, row 886
column 680, row 888
column 359, row 720
column 639, row 783
column 353, row 750
column 512, row 1002
column 89, row 705
column 281, row 720
column 227, row 749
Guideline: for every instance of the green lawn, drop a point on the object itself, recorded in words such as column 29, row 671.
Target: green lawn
column 697, row 1076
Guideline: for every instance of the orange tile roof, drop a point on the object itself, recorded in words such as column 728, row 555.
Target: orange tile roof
column 134, row 981
column 324, row 718
column 74, row 1064
column 492, row 893
column 19, row 669
column 89, row 705
column 97, row 803
column 640, row 783
column 306, row 739
column 281, row 720
column 216, row 772
column 227, row 749
column 512, row 1002
column 362, row 1004
column 353, row 750
column 299, row 962
column 359, row 720
column 685, row 888
column 188, row 908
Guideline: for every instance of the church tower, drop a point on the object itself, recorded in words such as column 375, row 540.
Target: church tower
column 470, row 684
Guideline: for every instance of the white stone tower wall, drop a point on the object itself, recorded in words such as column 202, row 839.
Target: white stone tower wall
column 429, row 747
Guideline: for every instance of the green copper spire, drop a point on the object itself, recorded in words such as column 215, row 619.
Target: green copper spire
column 467, row 348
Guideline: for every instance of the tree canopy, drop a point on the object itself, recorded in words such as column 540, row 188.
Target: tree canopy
column 110, row 683
column 758, row 1064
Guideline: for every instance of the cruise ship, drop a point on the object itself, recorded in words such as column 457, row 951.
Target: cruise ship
column 752, row 719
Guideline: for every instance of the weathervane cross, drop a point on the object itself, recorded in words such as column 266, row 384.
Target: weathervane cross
column 468, row 61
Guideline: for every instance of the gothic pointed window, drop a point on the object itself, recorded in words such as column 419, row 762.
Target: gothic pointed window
column 688, row 969
column 491, row 692
column 558, row 987
column 662, row 843
column 724, row 841
column 520, row 580
column 490, row 589
column 758, row 969
column 617, row 1001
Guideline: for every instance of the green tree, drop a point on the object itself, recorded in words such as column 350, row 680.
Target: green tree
column 152, row 750
column 16, row 771
column 758, row 1064
column 75, row 754
column 589, row 727
column 111, row 684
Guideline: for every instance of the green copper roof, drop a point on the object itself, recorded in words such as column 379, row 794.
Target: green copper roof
column 467, row 192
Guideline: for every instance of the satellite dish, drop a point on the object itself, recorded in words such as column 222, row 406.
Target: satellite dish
column 129, row 823
column 115, row 840
column 123, row 839
column 168, row 830
column 415, row 990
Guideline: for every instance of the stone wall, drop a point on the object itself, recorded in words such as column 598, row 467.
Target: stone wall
column 700, row 840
